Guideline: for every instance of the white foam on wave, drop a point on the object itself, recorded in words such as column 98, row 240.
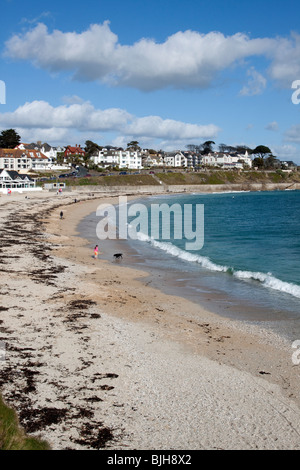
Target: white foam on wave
column 266, row 280
column 229, row 192
column 179, row 253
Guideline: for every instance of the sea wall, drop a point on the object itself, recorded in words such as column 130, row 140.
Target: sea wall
column 213, row 188
column 119, row 189
column 199, row 188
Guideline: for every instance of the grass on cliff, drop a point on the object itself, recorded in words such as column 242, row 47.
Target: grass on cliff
column 114, row 180
column 207, row 176
column 12, row 437
column 228, row 177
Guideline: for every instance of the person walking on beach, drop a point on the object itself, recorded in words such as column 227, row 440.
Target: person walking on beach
column 96, row 251
column 61, row 214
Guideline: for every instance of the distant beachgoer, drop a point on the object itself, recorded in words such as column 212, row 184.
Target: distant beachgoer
column 96, row 251
column 61, row 214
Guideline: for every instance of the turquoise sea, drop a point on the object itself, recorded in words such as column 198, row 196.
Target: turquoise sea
column 249, row 265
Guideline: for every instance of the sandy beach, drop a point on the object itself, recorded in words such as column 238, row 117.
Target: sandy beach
column 96, row 359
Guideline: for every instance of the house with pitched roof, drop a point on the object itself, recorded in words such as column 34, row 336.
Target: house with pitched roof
column 227, row 160
column 23, row 160
column 10, row 179
column 15, row 160
column 129, row 159
column 175, row 159
column 39, row 161
column 72, row 151
column 39, row 152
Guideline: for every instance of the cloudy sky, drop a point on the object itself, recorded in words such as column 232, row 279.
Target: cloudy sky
column 166, row 73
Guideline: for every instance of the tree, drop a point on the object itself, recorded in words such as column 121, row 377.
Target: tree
column 191, row 147
column 207, row 146
column 91, row 148
column 60, row 157
column 243, row 149
column 133, row 145
column 258, row 162
column 222, row 148
column 271, row 162
column 261, row 151
column 9, row 139
column 194, row 148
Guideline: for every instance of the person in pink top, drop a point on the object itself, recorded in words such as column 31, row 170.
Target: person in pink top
column 96, row 251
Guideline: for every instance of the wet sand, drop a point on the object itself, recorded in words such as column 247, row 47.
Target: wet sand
column 96, row 358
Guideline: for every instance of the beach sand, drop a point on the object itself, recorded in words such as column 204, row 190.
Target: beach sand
column 97, row 359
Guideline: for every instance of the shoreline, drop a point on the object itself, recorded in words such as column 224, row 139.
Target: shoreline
column 219, row 302
column 173, row 375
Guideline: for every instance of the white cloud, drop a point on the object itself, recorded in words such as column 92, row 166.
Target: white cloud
column 256, row 83
column 293, row 134
column 40, row 114
column 52, row 135
column 286, row 152
column 185, row 59
column 155, row 126
column 72, row 99
column 38, row 120
column 44, row 14
column 285, row 66
column 272, row 126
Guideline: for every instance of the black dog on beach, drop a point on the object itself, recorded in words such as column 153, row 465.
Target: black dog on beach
column 118, row 255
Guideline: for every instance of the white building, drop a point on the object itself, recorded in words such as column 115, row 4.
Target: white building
column 12, row 180
column 226, row 160
column 194, row 160
column 131, row 160
column 39, row 161
column 106, row 157
column 117, row 157
column 14, row 160
column 152, row 160
column 52, row 152
column 27, row 160
column 44, row 157
column 175, row 159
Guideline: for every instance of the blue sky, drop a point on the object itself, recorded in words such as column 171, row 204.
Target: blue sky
column 165, row 73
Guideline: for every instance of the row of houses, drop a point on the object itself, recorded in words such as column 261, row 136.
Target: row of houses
column 43, row 157
column 52, row 153
column 53, row 158
column 23, row 160
column 30, row 157
column 212, row 159
column 227, row 160
column 141, row 159
column 180, row 159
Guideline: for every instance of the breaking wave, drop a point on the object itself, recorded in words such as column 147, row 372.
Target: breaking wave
column 266, row 280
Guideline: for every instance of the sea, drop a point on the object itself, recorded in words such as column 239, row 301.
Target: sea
column 248, row 266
